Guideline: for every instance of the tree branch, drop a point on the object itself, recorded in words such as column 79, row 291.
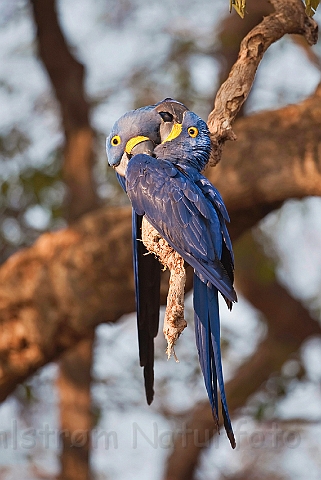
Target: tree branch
column 53, row 293
column 277, row 156
column 289, row 17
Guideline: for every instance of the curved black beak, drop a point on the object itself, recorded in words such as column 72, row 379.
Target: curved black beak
column 146, row 147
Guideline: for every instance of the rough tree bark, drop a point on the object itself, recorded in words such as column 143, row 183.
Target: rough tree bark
column 232, row 30
column 289, row 17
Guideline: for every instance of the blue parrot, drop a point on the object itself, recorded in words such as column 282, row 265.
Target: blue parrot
column 138, row 131
column 166, row 186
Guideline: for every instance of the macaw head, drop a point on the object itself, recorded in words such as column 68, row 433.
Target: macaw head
column 138, row 131
column 188, row 144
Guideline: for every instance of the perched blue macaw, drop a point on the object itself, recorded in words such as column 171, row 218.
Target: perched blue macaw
column 138, row 131
column 189, row 213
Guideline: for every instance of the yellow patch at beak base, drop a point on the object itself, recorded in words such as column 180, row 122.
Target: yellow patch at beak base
column 175, row 132
column 133, row 142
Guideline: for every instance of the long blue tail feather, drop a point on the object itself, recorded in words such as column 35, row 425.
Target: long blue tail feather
column 212, row 294
column 147, row 290
column 147, row 293
column 207, row 331
column 204, row 344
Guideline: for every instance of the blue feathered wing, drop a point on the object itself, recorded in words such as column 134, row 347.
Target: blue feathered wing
column 191, row 216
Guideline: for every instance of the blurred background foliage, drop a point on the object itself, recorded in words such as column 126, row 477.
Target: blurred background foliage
column 135, row 53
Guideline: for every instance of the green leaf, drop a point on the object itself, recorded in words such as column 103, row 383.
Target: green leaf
column 311, row 6
column 239, row 6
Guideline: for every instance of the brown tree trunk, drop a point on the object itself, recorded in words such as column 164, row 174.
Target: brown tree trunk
column 75, row 415
column 67, row 77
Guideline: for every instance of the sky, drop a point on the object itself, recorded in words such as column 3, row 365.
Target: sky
column 128, row 428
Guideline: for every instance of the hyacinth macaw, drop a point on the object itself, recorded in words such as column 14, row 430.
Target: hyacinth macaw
column 138, row 131
column 166, row 187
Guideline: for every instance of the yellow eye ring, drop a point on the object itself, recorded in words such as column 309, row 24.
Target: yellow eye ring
column 115, row 140
column 192, row 131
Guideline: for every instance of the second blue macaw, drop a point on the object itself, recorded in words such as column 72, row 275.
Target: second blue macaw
column 189, row 213
column 138, row 131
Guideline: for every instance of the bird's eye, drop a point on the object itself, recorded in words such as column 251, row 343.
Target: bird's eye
column 115, row 140
column 192, row 131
